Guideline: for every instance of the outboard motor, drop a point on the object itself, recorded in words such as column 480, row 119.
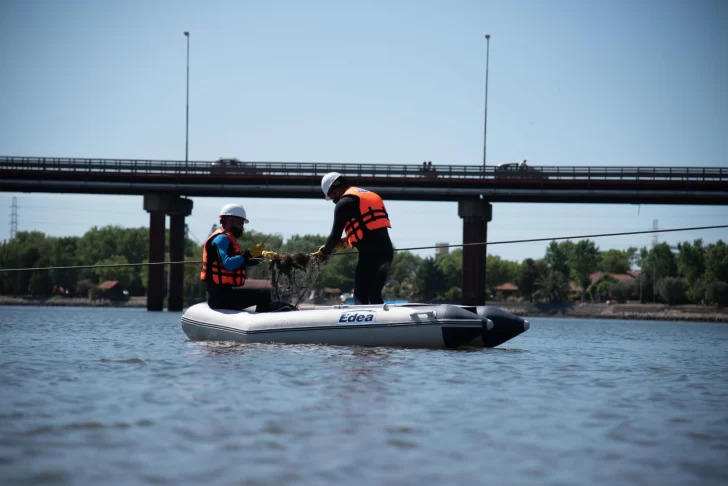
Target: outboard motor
column 505, row 325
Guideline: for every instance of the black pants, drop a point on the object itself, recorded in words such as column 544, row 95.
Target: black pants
column 371, row 275
column 219, row 297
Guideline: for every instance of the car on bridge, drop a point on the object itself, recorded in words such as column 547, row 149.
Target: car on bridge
column 520, row 170
column 225, row 165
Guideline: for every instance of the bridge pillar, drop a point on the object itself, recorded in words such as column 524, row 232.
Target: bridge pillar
column 476, row 214
column 178, row 209
column 156, row 205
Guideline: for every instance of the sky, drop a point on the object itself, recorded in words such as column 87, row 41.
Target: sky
column 570, row 83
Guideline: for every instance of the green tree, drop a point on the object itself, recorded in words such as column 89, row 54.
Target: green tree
column 404, row 267
column 584, row 260
column 716, row 262
column 451, row 266
column 602, row 288
column 194, row 289
column 672, row 290
column 40, row 282
column 452, row 295
column 660, row 263
column 717, row 293
column 697, row 292
column 99, row 244
column 691, row 260
column 530, row 271
column 64, row 255
column 552, row 287
column 118, row 271
column 645, row 289
column 392, row 290
column 25, row 251
column 691, row 266
column 617, row 261
column 499, row 271
column 429, row 281
column 622, row 291
column 338, row 271
column 133, row 244
column 303, row 244
column 557, row 257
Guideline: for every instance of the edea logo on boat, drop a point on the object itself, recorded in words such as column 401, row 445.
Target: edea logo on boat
column 357, row 317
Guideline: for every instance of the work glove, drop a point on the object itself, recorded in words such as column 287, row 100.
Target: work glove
column 270, row 255
column 319, row 252
column 343, row 243
column 257, row 250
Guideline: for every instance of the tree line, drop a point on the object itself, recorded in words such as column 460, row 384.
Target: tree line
column 692, row 272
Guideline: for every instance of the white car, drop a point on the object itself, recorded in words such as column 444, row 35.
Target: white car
column 518, row 170
column 226, row 165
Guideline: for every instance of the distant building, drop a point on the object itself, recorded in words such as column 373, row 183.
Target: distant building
column 506, row 290
column 575, row 289
column 441, row 249
column 111, row 290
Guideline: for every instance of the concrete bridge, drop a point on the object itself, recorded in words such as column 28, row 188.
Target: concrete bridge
column 167, row 184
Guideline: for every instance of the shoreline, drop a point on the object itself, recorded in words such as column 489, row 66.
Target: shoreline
column 630, row 312
column 69, row 302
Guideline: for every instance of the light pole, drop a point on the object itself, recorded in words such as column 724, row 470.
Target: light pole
column 485, row 124
column 187, row 122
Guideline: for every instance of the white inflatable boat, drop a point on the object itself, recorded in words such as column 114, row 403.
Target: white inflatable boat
column 407, row 325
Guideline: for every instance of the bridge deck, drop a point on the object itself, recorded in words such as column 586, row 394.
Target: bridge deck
column 657, row 185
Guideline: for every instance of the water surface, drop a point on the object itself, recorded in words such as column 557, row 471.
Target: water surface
column 120, row 396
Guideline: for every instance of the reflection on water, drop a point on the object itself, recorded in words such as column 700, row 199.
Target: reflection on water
column 119, row 396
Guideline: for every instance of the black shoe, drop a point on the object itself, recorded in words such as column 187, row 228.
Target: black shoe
column 282, row 307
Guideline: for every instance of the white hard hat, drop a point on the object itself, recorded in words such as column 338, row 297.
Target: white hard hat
column 327, row 181
column 234, row 210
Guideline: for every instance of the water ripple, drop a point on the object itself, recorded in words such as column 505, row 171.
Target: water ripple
column 569, row 402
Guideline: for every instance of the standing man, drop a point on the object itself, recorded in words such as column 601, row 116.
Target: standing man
column 362, row 215
column 223, row 265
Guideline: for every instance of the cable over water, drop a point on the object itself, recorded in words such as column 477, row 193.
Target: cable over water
column 485, row 243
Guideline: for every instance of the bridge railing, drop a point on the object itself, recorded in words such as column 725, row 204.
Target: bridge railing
column 315, row 170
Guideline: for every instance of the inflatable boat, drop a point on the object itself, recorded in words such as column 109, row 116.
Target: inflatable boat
column 405, row 325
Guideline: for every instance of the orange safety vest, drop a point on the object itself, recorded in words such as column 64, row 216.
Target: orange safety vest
column 372, row 215
column 212, row 267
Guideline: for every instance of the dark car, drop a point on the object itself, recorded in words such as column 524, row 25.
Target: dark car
column 520, row 170
column 229, row 165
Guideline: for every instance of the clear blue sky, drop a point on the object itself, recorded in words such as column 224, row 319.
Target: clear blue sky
column 588, row 83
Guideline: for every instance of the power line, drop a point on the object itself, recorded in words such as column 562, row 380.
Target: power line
column 79, row 208
column 14, row 218
column 580, row 237
column 529, row 240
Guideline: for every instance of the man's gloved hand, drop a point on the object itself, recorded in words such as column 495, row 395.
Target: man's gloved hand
column 319, row 252
column 343, row 243
column 269, row 255
column 257, row 250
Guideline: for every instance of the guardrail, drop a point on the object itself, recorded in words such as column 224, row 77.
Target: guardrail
column 308, row 169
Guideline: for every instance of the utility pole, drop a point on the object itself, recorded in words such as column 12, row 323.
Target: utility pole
column 14, row 218
column 655, row 241
column 485, row 123
column 187, row 122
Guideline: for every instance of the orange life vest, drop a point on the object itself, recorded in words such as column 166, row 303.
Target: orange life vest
column 372, row 215
column 212, row 266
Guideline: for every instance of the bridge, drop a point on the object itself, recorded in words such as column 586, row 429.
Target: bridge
column 166, row 184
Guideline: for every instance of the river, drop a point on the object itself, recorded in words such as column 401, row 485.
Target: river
column 120, row 396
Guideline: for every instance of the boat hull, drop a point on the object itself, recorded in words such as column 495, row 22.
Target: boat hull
column 416, row 326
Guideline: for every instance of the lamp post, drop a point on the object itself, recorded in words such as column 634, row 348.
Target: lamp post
column 187, row 122
column 485, row 124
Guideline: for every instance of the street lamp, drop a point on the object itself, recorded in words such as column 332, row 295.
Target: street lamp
column 485, row 124
column 187, row 123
